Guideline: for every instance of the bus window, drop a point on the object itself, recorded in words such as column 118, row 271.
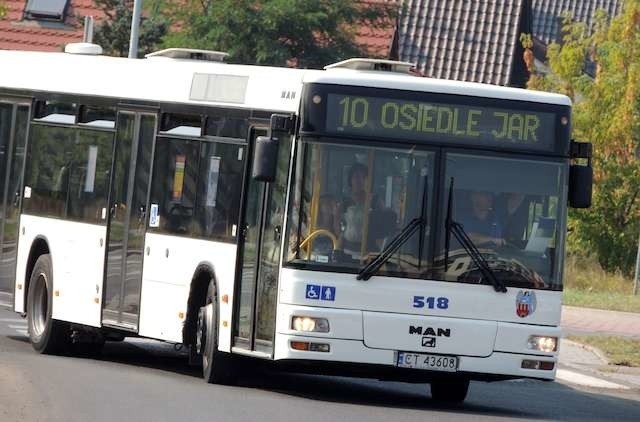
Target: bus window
column 89, row 176
column 196, row 188
column 67, row 173
column 173, row 189
column 219, row 190
column 354, row 200
column 510, row 210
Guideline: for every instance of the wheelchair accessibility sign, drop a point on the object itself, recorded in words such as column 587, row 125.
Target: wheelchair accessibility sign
column 318, row 292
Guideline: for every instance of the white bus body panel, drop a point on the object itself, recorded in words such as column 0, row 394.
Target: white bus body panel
column 170, row 262
column 392, row 331
column 155, row 79
column 395, row 295
column 77, row 253
column 370, row 321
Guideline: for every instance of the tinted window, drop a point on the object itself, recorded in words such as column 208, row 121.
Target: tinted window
column 512, row 212
column 89, row 176
column 67, row 173
column 196, row 188
column 5, row 131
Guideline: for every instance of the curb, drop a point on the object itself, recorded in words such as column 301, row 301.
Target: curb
column 599, row 353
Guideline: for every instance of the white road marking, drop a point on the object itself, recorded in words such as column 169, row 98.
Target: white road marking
column 23, row 332
column 18, row 327
column 587, row 381
column 13, row 320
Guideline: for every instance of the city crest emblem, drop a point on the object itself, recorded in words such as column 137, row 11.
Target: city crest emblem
column 525, row 303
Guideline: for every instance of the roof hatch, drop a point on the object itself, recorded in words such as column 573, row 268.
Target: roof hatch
column 373, row 64
column 83, row 48
column 190, row 54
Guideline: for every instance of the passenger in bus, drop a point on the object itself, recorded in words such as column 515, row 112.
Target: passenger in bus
column 513, row 209
column 328, row 214
column 353, row 208
column 382, row 225
column 328, row 219
column 482, row 224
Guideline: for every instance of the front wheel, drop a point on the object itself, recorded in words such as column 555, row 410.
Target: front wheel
column 217, row 367
column 47, row 335
column 450, row 390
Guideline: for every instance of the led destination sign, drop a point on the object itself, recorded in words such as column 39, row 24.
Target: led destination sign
column 437, row 122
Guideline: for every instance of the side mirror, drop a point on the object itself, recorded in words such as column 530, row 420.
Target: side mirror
column 580, row 186
column 265, row 161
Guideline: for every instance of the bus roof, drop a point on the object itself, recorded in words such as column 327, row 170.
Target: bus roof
column 162, row 79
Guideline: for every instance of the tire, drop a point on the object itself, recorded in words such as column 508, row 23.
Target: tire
column 450, row 390
column 217, row 367
column 47, row 336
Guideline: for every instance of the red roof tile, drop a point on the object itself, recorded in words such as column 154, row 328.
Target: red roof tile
column 377, row 41
column 19, row 34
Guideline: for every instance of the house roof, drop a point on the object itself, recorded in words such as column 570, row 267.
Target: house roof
column 468, row 40
column 17, row 33
column 377, row 40
column 547, row 14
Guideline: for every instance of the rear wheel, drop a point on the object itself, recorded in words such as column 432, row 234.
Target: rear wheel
column 217, row 367
column 47, row 335
column 450, row 390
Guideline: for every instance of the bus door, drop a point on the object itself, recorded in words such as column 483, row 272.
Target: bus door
column 14, row 120
column 260, row 240
column 130, row 178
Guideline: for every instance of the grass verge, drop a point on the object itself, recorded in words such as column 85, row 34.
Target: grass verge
column 619, row 350
column 612, row 301
column 588, row 285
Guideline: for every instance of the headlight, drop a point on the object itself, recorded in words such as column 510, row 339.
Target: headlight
column 310, row 324
column 543, row 344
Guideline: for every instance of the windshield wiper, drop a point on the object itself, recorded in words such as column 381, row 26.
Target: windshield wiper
column 400, row 239
column 463, row 238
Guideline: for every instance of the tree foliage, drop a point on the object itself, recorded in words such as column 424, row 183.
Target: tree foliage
column 607, row 113
column 3, row 9
column 114, row 32
column 308, row 34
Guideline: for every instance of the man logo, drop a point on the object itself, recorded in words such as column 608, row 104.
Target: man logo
column 428, row 342
column 430, row 331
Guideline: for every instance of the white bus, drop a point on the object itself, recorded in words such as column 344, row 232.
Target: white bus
column 358, row 220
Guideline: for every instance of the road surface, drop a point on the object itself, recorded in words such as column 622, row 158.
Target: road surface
column 145, row 380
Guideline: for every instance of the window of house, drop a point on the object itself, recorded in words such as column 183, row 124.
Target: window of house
column 46, row 9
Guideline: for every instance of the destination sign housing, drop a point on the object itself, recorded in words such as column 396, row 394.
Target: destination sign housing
column 438, row 122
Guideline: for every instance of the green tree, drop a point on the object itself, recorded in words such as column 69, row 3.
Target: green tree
column 114, row 32
column 607, row 113
column 3, row 9
column 307, row 34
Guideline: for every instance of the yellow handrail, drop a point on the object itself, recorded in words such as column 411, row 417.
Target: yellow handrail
column 316, row 233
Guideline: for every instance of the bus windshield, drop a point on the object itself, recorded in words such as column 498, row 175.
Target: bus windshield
column 511, row 210
column 350, row 201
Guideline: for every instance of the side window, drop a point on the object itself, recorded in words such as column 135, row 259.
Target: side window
column 196, row 189
column 91, row 155
column 67, row 173
column 219, row 189
column 6, row 111
column 47, row 170
column 173, row 191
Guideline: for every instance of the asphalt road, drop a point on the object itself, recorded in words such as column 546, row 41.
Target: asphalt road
column 149, row 381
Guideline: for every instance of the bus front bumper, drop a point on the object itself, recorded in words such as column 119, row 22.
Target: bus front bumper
column 353, row 358
column 504, row 354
